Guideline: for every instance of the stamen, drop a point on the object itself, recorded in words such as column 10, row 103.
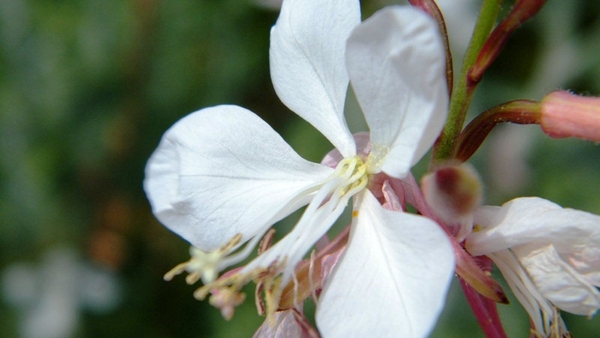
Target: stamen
column 263, row 246
column 226, row 291
column 272, row 297
column 539, row 309
column 349, row 178
column 311, row 272
column 558, row 328
column 242, row 254
column 376, row 158
column 226, row 300
column 275, row 266
column 203, row 265
column 266, row 241
column 353, row 171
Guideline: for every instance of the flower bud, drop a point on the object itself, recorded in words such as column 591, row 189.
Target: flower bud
column 568, row 115
column 453, row 193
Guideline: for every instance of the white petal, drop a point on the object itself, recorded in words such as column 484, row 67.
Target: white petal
column 391, row 281
column 308, row 71
column 396, row 62
column 539, row 309
column 532, row 219
column 324, row 209
column 557, row 281
column 222, row 171
column 586, row 260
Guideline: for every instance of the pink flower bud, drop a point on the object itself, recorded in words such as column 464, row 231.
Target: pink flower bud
column 453, row 193
column 569, row 115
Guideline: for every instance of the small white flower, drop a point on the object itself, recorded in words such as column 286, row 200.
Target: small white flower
column 550, row 257
column 51, row 296
column 222, row 172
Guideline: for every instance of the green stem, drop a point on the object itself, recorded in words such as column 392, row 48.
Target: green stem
column 461, row 95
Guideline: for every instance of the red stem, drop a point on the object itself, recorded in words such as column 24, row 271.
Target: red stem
column 522, row 11
column 518, row 112
column 431, row 8
column 485, row 311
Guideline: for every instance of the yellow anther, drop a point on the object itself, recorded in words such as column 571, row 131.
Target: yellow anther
column 226, row 291
column 203, row 265
column 377, row 157
column 354, row 172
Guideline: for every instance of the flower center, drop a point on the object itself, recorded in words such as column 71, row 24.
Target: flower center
column 353, row 171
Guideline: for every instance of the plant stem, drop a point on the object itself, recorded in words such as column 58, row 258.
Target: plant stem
column 461, row 95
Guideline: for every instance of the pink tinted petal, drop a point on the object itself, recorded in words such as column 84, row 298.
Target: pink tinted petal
column 557, row 281
column 288, row 324
column 363, row 147
column 392, row 201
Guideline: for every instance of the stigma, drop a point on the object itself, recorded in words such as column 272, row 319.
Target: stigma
column 354, row 174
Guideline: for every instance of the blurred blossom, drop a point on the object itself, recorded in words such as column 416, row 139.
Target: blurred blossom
column 14, row 19
column 49, row 297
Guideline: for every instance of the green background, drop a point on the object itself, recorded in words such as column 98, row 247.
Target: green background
column 87, row 88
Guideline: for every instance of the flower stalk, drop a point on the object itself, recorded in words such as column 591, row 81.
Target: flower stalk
column 463, row 91
column 518, row 112
column 522, row 11
column 466, row 266
column 485, row 311
column 309, row 273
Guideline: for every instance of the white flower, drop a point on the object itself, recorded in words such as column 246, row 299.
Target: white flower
column 221, row 177
column 549, row 256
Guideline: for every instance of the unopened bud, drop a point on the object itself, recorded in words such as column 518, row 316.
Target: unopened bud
column 453, row 193
column 568, row 115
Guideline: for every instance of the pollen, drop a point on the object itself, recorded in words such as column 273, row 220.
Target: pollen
column 353, row 171
column 377, row 157
column 226, row 292
column 355, row 213
column 203, row 265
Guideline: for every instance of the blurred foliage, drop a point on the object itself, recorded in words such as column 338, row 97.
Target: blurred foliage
column 87, row 88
